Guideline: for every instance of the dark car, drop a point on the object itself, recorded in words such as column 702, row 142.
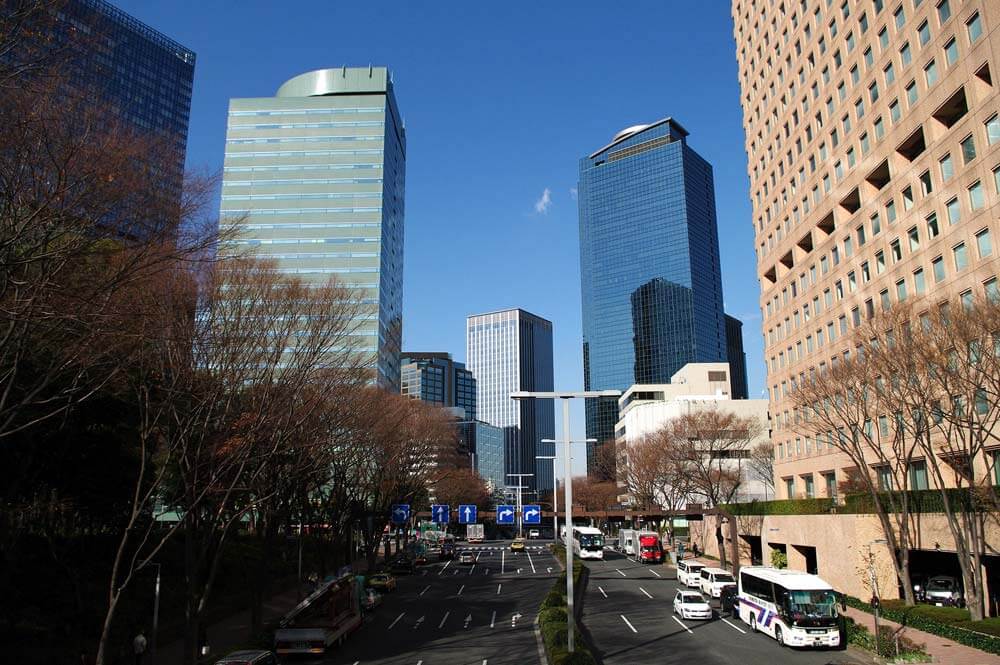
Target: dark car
column 401, row 565
column 249, row 658
column 728, row 596
column 447, row 552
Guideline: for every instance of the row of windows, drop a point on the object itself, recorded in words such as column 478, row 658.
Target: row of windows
column 305, row 181
column 304, row 139
column 295, row 211
column 377, row 166
column 310, row 225
column 269, row 112
column 309, row 125
column 302, row 153
column 304, row 241
column 304, row 197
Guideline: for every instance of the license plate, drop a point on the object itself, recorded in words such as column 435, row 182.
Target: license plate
column 300, row 645
column 939, row 604
column 817, row 632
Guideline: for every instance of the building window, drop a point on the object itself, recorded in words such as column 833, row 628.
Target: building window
column 897, row 253
column 911, row 98
column 992, row 288
column 808, row 479
column 865, row 144
column 993, row 129
column 884, row 478
column 937, row 265
column 961, row 256
column 884, row 299
column 879, row 262
column 947, row 168
column 984, row 243
column 968, row 149
column 905, row 56
column 919, row 284
column 954, row 211
column 943, row 11
column 924, row 33
column 951, row 51
column 890, row 212
column 918, row 476
column 932, row 226
column 790, row 488
column 901, row 290
column 913, row 235
column 975, row 28
column 976, row 196
column 926, row 185
column 894, row 112
column 930, row 73
column 899, row 16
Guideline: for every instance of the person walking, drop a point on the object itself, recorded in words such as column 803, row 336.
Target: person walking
column 139, row 645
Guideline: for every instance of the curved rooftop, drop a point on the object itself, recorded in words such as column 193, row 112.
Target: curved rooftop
column 628, row 131
column 675, row 128
column 338, row 81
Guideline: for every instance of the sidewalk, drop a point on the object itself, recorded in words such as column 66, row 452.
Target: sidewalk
column 943, row 651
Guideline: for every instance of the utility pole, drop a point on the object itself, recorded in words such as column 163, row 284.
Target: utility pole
column 520, row 485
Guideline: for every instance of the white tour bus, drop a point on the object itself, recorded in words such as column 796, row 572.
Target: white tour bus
column 588, row 542
column 795, row 608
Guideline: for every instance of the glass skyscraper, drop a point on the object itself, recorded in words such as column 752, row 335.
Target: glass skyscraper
column 437, row 379
column 486, row 443
column 314, row 179
column 128, row 70
column 510, row 351
column 649, row 265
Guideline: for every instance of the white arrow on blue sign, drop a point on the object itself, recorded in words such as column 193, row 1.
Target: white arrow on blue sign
column 467, row 513
column 400, row 512
column 532, row 515
column 440, row 513
column 505, row 514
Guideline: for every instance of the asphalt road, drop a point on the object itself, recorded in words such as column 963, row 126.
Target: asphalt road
column 628, row 612
column 453, row 614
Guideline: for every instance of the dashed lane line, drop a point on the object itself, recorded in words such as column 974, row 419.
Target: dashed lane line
column 655, row 573
column 734, row 626
column 441, row 572
column 492, row 620
column 503, row 558
column 681, row 624
column 444, row 618
column 602, row 592
column 645, row 592
column 425, row 589
column 472, row 570
column 460, row 590
column 499, row 586
column 628, row 623
column 621, row 573
column 531, row 562
column 397, row 620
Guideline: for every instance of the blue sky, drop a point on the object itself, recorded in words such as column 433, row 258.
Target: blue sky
column 500, row 102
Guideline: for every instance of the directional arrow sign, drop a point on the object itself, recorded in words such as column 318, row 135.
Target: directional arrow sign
column 467, row 513
column 400, row 513
column 505, row 514
column 532, row 515
column 440, row 513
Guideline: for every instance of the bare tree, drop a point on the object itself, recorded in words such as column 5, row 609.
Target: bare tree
column 761, row 463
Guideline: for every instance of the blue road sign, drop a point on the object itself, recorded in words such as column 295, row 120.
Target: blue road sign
column 440, row 513
column 467, row 513
column 400, row 513
column 505, row 514
column 532, row 515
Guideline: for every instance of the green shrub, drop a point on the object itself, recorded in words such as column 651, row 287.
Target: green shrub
column 552, row 620
column 554, row 599
column 779, row 559
column 782, row 507
column 988, row 626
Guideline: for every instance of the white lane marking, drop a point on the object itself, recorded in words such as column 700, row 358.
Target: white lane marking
column 468, row 620
column 457, row 571
column 423, row 572
column 513, row 619
column 478, row 555
column 645, row 592
column 682, row 625
column 397, row 620
column 445, row 566
column 499, row 586
column 484, row 662
column 548, row 570
column 486, row 571
column 518, row 571
column 460, row 590
column 425, row 589
column 602, row 592
column 621, row 573
column 444, row 618
column 736, row 627
column 493, row 618
column 416, row 626
column 472, row 570
column 655, row 573
column 357, row 662
column 420, row 662
column 531, row 562
column 628, row 623
column 503, row 556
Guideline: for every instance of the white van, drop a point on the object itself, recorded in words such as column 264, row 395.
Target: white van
column 713, row 579
column 689, row 573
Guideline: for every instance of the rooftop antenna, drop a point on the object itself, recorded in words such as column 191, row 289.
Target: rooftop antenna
column 343, row 72
column 369, row 70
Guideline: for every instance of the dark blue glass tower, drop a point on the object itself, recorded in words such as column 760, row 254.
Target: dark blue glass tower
column 649, row 265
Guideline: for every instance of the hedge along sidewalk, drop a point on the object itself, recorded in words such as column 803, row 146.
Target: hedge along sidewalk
column 941, row 649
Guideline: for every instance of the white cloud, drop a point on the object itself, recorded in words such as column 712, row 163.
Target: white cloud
column 572, row 192
column 542, row 204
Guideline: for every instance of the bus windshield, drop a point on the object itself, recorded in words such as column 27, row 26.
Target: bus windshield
column 591, row 541
column 812, row 604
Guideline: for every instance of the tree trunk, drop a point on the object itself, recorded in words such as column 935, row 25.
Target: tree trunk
column 102, row 646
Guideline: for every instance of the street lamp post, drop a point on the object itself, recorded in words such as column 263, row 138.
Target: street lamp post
column 520, row 486
column 555, row 494
column 156, row 613
column 568, row 487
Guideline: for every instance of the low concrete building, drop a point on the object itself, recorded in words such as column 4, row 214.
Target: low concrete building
column 645, row 408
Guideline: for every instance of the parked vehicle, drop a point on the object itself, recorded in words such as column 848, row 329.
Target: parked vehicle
column 795, row 608
column 447, row 552
column 919, row 583
column 689, row 573
column 648, row 549
column 383, row 581
column 944, row 590
column 534, row 533
column 401, row 565
column 517, row 545
column 255, row 657
column 466, row 557
column 713, row 579
column 728, row 599
column 328, row 615
column 691, row 605
column 475, row 533
column 628, row 541
column 420, row 559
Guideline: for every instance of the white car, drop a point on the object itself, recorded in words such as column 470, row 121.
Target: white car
column 689, row 573
column 691, row 605
column 713, row 579
column 534, row 533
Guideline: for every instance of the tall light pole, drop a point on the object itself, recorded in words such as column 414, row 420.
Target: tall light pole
column 555, row 494
column 568, row 486
column 520, row 486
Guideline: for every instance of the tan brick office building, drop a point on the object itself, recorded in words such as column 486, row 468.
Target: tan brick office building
column 874, row 163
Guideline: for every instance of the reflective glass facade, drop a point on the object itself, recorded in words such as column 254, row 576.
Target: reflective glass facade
column 437, row 379
column 510, row 351
column 649, row 262
column 314, row 180
column 737, row 358
column 135, row 73
column 486, row 443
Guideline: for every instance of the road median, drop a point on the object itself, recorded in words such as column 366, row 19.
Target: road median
column 553, row 617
